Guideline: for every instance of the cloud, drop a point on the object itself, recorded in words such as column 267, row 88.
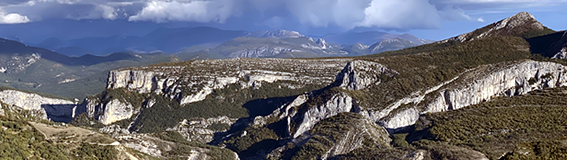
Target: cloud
column 401, row 14
column 196, row 11
column 322, row 13
column 453, row 13
column 343, row 14
column 37, row 10
column 12, row 18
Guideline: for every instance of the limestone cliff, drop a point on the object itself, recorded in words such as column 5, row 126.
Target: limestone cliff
column 203, row 130
column 306, row 110
column 115, row 105
column 336, row 135
column 56, row 109
column 337, row 103
column 362, row 74
column 482, row 84
column 195, row 81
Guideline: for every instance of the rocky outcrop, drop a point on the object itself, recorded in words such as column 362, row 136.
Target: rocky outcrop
column 140, row 81
column 58, row 110
column 203, row 130
column 482, row 84
column 276, row 34
column 338, row 103
column 18, row 62
column 356, row 75
column 114, row 111
column 263, row 51
column 156, row 147
column 361, row 74
column 337, row 135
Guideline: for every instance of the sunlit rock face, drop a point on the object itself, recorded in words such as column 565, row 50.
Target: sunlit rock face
column 482, row 84
column 56, row 109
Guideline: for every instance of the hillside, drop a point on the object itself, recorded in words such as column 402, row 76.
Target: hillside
column 40, row 70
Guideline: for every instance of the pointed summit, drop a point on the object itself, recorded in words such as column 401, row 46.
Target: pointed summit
column 522, row 24
column 276, row 34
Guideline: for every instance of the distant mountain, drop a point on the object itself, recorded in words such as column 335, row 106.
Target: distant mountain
column 276, row 34
column 169, row 40
column 292, row 44
column 41, row 70
column 358, row 49
column 253, row 47
column 391, row 45
column 370, row 37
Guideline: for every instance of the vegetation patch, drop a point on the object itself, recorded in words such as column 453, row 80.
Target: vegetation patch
column 498, row 126
column 232, row 101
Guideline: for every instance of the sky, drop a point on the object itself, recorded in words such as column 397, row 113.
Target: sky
column 429, row 19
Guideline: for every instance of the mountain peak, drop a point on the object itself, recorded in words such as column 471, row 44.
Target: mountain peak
column 278, row 33
column 516, row 25
column 522, row 19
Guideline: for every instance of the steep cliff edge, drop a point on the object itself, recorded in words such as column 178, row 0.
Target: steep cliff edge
column 481, row 84
column 339, row 134
column 306, row 110
column 232, row 86
column 58, row 110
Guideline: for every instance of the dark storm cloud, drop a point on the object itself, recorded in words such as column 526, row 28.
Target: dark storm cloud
column 346, row 14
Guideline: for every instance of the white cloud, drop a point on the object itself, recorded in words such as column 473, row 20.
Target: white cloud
column 12, row 18
column 107, row 12
column 345, row 14
column 321, row 13
column 196, row 11
column 452, row 13
column 401, row 14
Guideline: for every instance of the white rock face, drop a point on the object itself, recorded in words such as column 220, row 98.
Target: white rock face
column 276, row 34
column 365, row 130
column 116, row 110
column 263, row 51
column 338, row 103
column 35, row 102
column 18, row 63
column 361, row 74
column 285, row 111
column 136, row 80
column 484, row 83
column 199, row 129
column 356, row 131
column 356, row 75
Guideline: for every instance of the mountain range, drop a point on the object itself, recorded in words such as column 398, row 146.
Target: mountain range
column 194, row 39
column 494, row 93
